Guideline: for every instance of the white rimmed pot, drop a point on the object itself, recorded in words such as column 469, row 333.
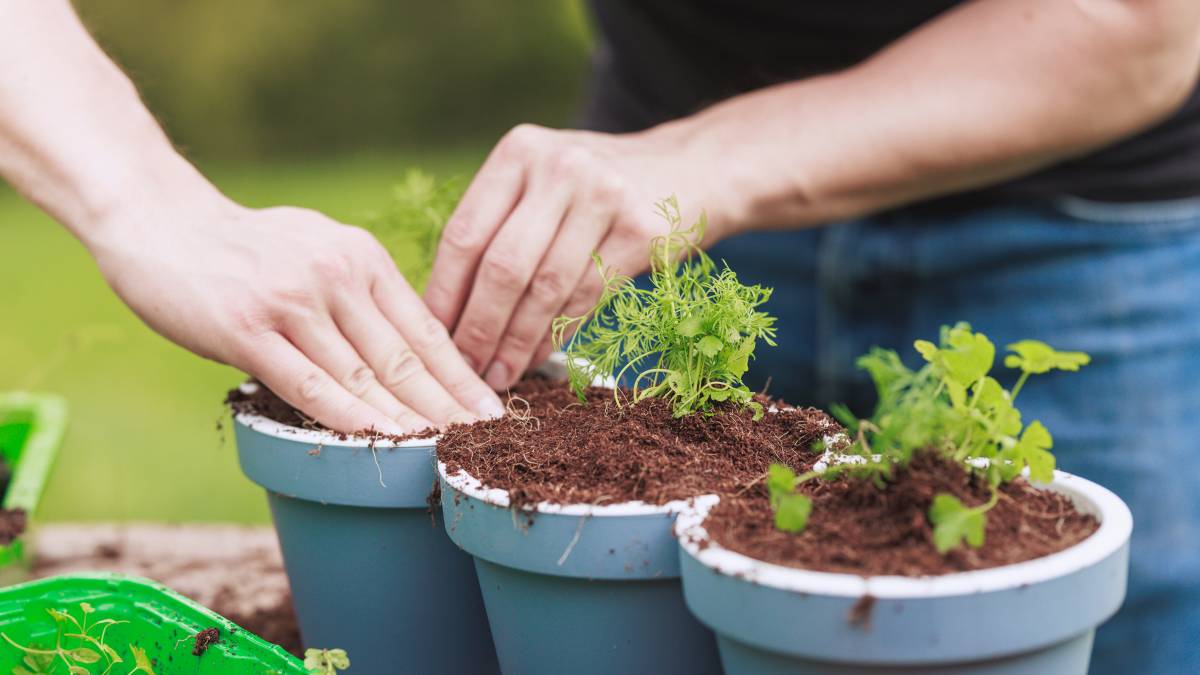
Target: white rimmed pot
column 1030, row 618
column 371, row 571
column 578, row 588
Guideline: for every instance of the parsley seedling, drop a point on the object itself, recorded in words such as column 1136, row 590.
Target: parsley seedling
column 325, row 661
column 696, row 326
column 951, row 406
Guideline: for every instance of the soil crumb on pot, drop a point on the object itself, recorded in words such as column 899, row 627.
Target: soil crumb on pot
column 205, row 639
column 553, row 448
column 858, row 528
column 12, row 525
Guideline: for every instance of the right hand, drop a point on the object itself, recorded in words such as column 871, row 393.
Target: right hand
column 314, row 309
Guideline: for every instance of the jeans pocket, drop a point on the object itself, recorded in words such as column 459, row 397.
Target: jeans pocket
column 1158, row 217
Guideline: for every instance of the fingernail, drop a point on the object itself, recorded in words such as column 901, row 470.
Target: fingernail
column 490, row 408
column 497, row 376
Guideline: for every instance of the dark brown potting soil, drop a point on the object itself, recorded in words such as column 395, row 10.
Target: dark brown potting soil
column 858, row 528
column 265, row 403
column 205, row 639
column 12, row 525
column 553, row 448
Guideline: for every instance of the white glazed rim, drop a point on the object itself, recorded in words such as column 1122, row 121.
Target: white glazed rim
column 472, row 487
column 554, row 367
column 269, row 427
column 1116, row 524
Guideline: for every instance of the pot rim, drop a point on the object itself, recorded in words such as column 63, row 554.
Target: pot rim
column 473, row 487
column 1116, row 525
column 287, row 432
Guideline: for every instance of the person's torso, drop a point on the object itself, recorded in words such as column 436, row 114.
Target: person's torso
column 661, row 59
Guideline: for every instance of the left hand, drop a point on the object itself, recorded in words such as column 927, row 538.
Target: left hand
column 517, row 251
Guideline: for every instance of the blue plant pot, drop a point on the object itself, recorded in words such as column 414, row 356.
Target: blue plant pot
column 579, row 588
column 370, row 568
column 1031, row 618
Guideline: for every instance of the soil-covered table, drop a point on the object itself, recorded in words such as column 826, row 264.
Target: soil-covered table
column 235, row 570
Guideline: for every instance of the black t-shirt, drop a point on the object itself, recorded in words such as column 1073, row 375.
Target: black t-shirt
column 661, row 59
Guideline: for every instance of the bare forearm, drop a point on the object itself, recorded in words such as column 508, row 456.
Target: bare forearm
column 993, row 90
column 74, row 135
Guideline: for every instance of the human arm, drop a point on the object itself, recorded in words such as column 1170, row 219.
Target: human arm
column 986, row 92
column 312, row 308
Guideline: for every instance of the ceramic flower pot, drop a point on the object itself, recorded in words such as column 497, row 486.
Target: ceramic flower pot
column 578, row 588
column 1030, row 618
column 371, row 569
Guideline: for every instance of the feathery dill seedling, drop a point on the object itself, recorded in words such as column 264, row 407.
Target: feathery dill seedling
column 697, row 326
column 411, row 225
column 950, row 406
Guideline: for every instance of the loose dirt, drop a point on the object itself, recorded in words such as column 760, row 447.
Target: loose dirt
column 858, row 528
column 553, row 448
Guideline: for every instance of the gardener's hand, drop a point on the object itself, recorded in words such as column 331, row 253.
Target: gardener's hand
column 517, row 251
column 314, row 309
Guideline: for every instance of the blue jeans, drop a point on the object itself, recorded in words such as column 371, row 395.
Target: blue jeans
column 1121, row 282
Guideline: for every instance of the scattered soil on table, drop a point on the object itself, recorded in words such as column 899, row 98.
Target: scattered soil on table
column 275, row 624
column 553, row 448
column 265, row 403
column 858, row 528
column 12, row 525
column 205, row 639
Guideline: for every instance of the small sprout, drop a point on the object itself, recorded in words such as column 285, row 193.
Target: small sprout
column 90, row 647
column 791, row 508
column 696, row 327
column 951, row 406
column 325, row 661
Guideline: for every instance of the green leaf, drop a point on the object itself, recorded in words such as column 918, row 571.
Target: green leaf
column 141, row 660
column 791, row 512
column 710, row 346
column 964, row 356
column 84, row 655
column 953, row 523
column 339, row 658
column 781, row 481
column 689, row 326
column 1033, row 450
column 1035, row 357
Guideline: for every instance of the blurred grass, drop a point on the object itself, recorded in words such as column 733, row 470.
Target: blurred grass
column 143, row 443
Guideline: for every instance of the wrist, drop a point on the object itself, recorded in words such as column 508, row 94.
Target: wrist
column 708, row 170
column 132, row 197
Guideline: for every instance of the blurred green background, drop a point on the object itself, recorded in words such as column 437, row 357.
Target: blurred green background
column 316, row 104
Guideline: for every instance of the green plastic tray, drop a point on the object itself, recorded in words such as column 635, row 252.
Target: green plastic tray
column 160, row 621
column 31, row 430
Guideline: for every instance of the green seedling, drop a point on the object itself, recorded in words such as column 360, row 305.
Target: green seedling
column 411, row 225
column 325, row 661
column 696, row 326
column 951, row 406
column 80, row 648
